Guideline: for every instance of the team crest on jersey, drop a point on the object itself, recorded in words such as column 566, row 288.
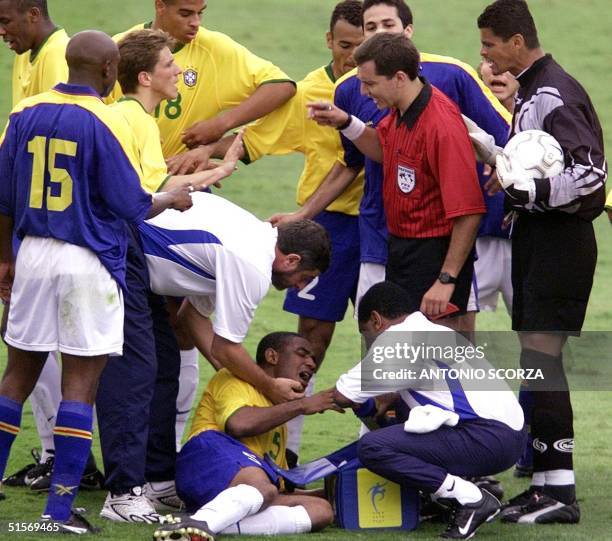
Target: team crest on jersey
column 406, row 178
column 190, row 77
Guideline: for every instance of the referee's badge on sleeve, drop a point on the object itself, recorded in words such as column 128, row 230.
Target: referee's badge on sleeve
column 406, row 178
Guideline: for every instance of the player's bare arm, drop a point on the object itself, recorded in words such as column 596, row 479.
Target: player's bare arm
column 178, row 199
column 7, row 264
column 364, row 137
column 252, row 421
column 435, row 301
column 264, row 100
column 237, row 360
column 335, row 183
column 201, row 179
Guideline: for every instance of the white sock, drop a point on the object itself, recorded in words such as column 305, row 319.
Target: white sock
column 538, row 479
column 296, row 425
column 275, row 520
column 461, row 490
column 45, row 400
column 559, row 477
column 188, row 386
column 229, row 507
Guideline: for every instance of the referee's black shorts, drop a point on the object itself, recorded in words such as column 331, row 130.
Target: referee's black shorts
column 553, row 262
column 415, row 264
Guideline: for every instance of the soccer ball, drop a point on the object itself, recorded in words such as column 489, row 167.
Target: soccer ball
column 536, row 152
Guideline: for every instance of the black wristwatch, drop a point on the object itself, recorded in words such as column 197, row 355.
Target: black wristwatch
column 446, row 278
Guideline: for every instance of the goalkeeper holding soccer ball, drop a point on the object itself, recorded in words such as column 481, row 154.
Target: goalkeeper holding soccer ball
column 552, row 236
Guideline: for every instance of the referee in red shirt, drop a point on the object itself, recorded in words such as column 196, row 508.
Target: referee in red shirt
column 433, row 201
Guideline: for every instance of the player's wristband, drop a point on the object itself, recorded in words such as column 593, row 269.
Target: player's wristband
column 346, row 124
column 354, row 130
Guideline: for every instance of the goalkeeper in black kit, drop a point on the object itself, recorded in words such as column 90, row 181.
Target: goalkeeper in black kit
column 554, row 251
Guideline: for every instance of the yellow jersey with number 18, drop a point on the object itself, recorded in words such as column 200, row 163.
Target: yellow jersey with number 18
column 218, row 74
column 224, row 395
column 40, row 70
column 289, row 130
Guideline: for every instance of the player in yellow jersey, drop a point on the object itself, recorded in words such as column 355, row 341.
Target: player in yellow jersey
column 609, row 206
column 219, row 76
column 324, row 301
column 221, row 474
column 40, row 63
column 39, row 44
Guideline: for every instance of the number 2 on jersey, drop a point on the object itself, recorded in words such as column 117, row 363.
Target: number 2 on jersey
column 57, row 175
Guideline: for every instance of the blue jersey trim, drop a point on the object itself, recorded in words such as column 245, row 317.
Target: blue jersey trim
column 461, row 406
column 157, row 241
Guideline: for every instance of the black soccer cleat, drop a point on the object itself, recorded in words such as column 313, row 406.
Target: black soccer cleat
column 466, row 519
column 76, row 524
column 39, row 478
column 490, row 484
column 513, row 505
column 543, row 509
column 18, row 479
column 183, row 529
column 92, row 478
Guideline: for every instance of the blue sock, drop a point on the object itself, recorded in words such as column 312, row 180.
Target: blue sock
column 10, row 420
column 72, row 438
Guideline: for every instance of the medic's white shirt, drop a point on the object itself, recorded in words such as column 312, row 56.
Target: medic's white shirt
column 498, row 405
column 217, row 255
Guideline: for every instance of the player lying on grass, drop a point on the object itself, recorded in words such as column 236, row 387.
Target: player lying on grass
column 220, row 473
column 478, row 433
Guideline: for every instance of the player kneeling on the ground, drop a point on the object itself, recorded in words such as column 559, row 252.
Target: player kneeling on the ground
column 220, row 472
column 454, row 430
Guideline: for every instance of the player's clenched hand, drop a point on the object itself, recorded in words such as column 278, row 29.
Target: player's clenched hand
column 181, row 198
column 326, row 114
column 204, row 132
column 281, row 218
column 436, row 299
column 7, row 274
column 284, row 389
column 320, row 402
column 192, row 161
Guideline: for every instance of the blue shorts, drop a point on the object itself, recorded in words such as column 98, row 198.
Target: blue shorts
column 208, row 463
column 326, row 297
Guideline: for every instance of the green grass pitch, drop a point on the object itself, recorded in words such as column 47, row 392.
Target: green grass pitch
column 291, row 34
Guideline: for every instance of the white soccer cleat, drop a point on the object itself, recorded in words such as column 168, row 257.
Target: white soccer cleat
column 130, row 507
column 163, row 497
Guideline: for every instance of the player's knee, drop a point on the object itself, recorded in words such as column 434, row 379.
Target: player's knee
column 369, row 449
column 321, row 514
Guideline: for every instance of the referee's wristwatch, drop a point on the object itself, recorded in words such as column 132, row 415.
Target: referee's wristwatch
column 446, row 278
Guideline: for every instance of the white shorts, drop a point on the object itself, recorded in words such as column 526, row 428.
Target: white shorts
column 493, row 270
column 64, row 299
column 369, row 274
column 473, row 299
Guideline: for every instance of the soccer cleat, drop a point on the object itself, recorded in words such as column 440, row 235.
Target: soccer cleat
column 163, row 497
column 466, row 519
column 490, row 484
column 186, row 529
column 513, row 505
column 92, row 478
column 543, row 509
column 132, row 506
column 76, row 524
column 39, row 478
column 18, row 479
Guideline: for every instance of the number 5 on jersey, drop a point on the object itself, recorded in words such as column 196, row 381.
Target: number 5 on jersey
column 57, row 175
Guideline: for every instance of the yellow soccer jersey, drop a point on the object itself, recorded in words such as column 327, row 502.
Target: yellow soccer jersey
column 218, row 74
column 38, row 71
column 289, row 130
column 224, row 395
column 146, row 135
column 609, row 201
